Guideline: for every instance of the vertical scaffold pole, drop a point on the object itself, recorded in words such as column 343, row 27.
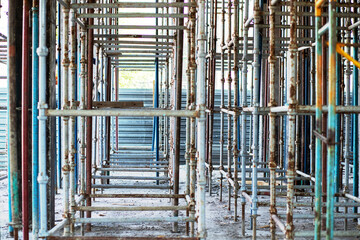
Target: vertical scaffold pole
column 25, row 120
column 35, row 122
column 222, row 44
column 318, row 123
column 272, row 116
column 243, row 126
column 201, row 181
column 42, row 52
column 90, row 73
column 228, row 46
column 58, row 171
column 331, row 121
column 65, row 106
column 255, row 123
column 236, row 104
column 355, row 126
column 72, row 136
column 292, row 101
column 193, row 66
column 178, row 94
column 83, row 62
column 14, row 81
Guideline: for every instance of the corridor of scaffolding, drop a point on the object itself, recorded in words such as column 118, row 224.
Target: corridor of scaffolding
column 269, row 117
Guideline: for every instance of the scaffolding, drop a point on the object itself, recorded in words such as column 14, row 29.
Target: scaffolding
column 280, row 138
column 288, row 77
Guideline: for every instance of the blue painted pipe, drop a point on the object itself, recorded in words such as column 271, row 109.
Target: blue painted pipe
column 338, row 128
column 11, row 229
column 332, row 123
column 35, row 123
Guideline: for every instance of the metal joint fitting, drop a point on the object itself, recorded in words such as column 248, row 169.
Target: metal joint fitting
column 73, row 66
column 42, row 106
column 66, row 168
column 42, row 51
column 43, row 179
column 235, row 151
column 43, row 234
column 256, row 64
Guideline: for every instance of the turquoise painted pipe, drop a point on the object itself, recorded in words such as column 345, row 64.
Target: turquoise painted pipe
column 35, row 123
column 331, row 122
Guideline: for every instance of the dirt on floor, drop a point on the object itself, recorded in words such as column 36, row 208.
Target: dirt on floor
column 220, row 220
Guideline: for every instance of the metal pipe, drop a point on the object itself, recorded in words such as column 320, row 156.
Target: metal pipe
column 331, row 121
column 141, row 208
column 255, row 103
column 243, row 126
column 275, row 218
column 65, row 106
column 58, row 227
column 42, row 52
column 134, row 220
column 212, row 75
column 25, row 120
column 72, row 136
column 355, row 123
column 137, row 36
column 59, row 67
column 340, row 234
column 116, row 99
column 106, row 132
column 354, row 25
column 131, row 15
column 133, row 43
column 178, row 81
column 35, row 123
column 90, row 73
column 96, row 119
column 272, row 132
column 236, row 103
column 222, row 43
column 188, row 105
column 123, row 112
column 14, row 69
column 83, row 75
column 312, row 118
column 137, row 27
column 347, row 72
column 108, row 186
column 201, row 120
column 142, row 47
column 229, row 80
column 318, row 143
column 193, row 66
column 138, row 196
column 133, row 5
column 292, row 101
